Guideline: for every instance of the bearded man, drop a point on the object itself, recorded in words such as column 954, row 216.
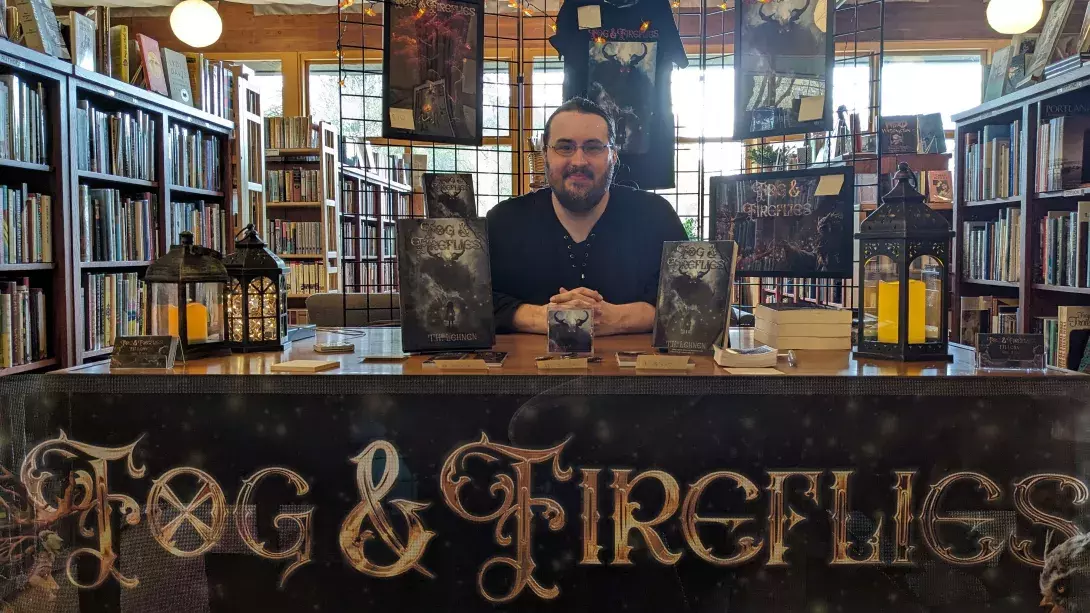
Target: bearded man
column 581, row 242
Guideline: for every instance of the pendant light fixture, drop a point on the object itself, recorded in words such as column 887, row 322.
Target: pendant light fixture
column 196, row 23
column 1014, row 16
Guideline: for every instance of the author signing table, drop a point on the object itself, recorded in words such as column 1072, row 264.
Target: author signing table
column 840, row 486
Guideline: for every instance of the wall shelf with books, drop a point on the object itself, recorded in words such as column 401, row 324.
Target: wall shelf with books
column 105, row 177
column 116, row 264
column 16, row 164
column 1021, row 210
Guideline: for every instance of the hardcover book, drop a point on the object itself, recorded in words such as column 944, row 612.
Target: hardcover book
column 152, row 63
column 1074, row 330
column 446, row 284
column 449, row 195
column 177, row 76
column 695, row 282
column 119, row 53
column 899, row 134
column 39, row 27
column 82, row 32
column 931, row 136
column 571, row 331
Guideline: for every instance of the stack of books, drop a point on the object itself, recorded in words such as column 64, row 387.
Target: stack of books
column 26, row 226
column 1061, row 149
column 992, row 249
column 114, row 303
column 993, row 162
column 116, row 227
column 290, row 133
column 292, row 185
column 786, row 326
column 195, row 158
column 305, row 278
column 207, row 221
column 1064, row 242
column 295, row 237
column 23, row 336
column 116, row 142
column 987, row 315
column 23, row 131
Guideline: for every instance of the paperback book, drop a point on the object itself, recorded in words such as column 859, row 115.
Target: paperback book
column 446, row 285
column 571, row 331
column 695, row 282
column 449, row 195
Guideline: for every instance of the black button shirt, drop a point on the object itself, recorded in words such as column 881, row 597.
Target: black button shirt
column 533, row 256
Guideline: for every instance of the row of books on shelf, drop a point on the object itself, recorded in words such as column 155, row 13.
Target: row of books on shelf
column 1061, row 148
column 987, row 315
column 195, row 158
column 361, row 239
column 26, row 226
column 993, row 162
column 291, row 133
column 23, row 330
column 1066, row 338
column 305, row 278
column 364, row 277
column 293, row 185
column 116, row 227
column 992, row 249
column 395, row 204
column 207, row 221
column 114, row 307
column 119, row 142
column 287, row 237
column 24, row 134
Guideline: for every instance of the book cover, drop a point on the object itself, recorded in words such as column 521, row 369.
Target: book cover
column 82, row 32
column 449, row 195
column 570, row 331
column 195, row 64
column 898, row 134
column 931, row 137
column 446, row 284
column 177, row 76
column 695, row 282
column 940, row 186
column 40, row 30
column 1074, row 330
column 119, row 53
column 152, row 63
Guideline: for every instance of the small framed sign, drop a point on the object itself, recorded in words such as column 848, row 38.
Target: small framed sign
column 144, row 352
column 1011, row 351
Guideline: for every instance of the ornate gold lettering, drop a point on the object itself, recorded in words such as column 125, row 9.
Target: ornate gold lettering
column 779, row 524
column 245, row 511
column 353, row 538
column 517, row 507
column 1023, row 548
column 902, row 519
column 96, row 498
column 930, row 520
column 625, row 522
column 162, row 497
column 841, row 511
column 590, row 516
column 748, row 546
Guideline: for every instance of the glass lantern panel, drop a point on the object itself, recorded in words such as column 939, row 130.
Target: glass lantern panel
column 234, row 311
column 163, row 309
column 204, row 313
column 925, row 300
column 269, row 324
column 880, row 300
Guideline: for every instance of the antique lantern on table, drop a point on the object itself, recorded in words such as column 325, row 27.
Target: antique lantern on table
column 186, row 297
column 904, row 249
column 257, row 317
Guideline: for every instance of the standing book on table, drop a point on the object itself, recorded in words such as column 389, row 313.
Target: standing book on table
column 695, row 282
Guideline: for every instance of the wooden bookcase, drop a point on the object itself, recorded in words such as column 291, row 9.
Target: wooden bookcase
column 65, row 279
column 248, row 154
column 325, row 210
column 1036, row 299
column 372, row 205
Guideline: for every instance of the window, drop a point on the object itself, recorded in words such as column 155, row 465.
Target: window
column 908, row 84
column 270, row 81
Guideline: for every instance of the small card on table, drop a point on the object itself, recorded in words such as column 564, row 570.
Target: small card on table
column 144, row 352
column 1010, row 351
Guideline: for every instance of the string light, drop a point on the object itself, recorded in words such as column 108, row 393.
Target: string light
column 553, row 25
column 341, row 82
column 346, row 3
column 644, row 26
column 676, row 4
column 369, row 11
column 421, row 12
column 601, row 40
column 723, row 6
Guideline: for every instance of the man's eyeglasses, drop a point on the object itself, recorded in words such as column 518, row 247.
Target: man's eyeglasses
column 591, row 149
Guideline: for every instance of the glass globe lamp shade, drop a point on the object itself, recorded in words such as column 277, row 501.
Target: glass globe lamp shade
column 1014, row 16
column 196, row 23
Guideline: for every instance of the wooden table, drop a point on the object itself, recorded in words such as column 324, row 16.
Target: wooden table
column 523, row 348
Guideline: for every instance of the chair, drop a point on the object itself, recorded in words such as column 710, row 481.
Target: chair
column 329, row 309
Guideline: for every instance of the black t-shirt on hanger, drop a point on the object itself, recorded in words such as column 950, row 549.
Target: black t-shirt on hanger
column 625, row 66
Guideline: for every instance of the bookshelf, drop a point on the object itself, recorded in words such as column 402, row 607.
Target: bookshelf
column 373, row 202
column 302, row 206
column 1045, row 214
column 248, row 152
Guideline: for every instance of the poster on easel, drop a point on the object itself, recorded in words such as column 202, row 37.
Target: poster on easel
column 433, row 68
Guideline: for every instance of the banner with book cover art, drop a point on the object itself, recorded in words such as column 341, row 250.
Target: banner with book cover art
column 791, row 224
column 433, row 70
column 784, row 56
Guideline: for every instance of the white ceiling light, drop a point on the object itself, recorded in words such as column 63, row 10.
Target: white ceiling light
column 1014, row 16
column 196, row 23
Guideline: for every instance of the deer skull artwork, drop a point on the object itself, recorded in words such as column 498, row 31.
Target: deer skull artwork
column 622, row 81
column 571, row 331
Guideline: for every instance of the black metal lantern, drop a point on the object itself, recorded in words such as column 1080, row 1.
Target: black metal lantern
column 257, row 317
column 185, row 297
column 904, row 251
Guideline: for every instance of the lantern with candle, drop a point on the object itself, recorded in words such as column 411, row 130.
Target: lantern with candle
column 904, row 251
column 185, row 297
column 257, row 318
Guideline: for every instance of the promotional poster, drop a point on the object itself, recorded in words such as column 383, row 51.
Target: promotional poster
column 784, row 56
column 543, row 494
column 449, row 195
column 695, row 283
column 433, row 70
column 792, row 224
column 446, row 285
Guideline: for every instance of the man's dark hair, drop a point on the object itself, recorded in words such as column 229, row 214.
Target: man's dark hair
column 582, row 105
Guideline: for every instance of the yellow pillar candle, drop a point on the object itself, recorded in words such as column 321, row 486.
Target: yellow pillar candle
column 889, row 310
column 196, row 322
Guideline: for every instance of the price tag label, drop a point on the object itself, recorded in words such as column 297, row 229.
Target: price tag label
column 563, row 364
column 664, row 362
column 590, row 17
column 461, row 365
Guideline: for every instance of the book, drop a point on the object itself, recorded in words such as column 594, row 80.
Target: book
column 931, row 136
column 448, row 195
column 761, row 356
column 992, row 250
column 23, row 330
column 102, row 17
column 446, row 284
column 113, row 307
column 628, row 359
column 117, row 142
column 996, row 84
column 993, row 162
column 797, row 314
column 803, row 342
column 1072, row 333
column 82, row 41
column 195, row 159
column 177, row 76
column 570, row 330
column 295, row 184
column 304, row 366
column 39, row 27
column 898, row 134
column 940, row 186
column 119, row 53
column 692, row 307
column 297, row 132
column 152, row 62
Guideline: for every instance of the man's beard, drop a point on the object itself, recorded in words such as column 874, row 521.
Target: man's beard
column 581, row 202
